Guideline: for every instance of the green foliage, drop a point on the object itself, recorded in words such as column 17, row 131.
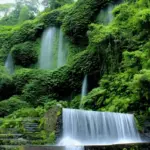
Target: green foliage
column 27, row 112
column 7, row 87
column 120, row 52
column 23, row 10
column 58, row 3
column 52, row 138
column 50, row 18
column 28, row 31
column 54, row 17
column 141, row 85
column 75, row 103
column 23, row 77
column 53, row 103
column 24, row 54
column 133, row 59
column 12, row 104
column 24, row 14
column 95, row 99
column 76, row 22
column 61, row 83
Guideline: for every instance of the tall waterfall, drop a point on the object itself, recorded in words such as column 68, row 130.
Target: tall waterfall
column 9, row 64
column 46, row 56
column 96, row 128
column 53, row 50
column 61, row 60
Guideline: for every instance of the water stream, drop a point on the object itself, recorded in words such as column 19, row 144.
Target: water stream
column 62, row 51
column 53, row 50
column 106, row 15
column 9, row 64
column 46, row 55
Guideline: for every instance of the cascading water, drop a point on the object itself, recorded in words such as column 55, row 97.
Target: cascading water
column 53, row 50
column 97, row 128
column 105, row 15
column 9, row 64
column 46, row 56
column 61, row 60
column 84, row 87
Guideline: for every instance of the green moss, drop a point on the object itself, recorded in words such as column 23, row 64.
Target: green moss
column 61, row 83
column 9, row 106
column 75, row 103
column 24, row 54
column 75, row 23
column 7, row 87
column 30, row 30
column 22, row 77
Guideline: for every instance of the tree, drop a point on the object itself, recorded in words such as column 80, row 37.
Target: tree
column 5, row 8
column 53, row 4
column 25, row 14
column 24, row 10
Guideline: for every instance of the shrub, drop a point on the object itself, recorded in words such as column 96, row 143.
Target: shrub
column 61, row 83
column 24, row 54
column 50, row 18
column 12, row 104
column 27, row 112
column 75, row 23
column 23, row 77
column 7, row 87
column 28, row 31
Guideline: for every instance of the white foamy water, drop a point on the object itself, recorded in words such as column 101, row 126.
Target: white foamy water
column 53, row 50
column 62, row 56
column 9, row 64
column 46, row 55
column 98, row 128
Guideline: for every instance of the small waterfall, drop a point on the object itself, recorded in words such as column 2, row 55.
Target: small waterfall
column 61, row 60
column 97, row 128
column 46, row 56
column 84, row 87
column 105, row 15
column 9, row 64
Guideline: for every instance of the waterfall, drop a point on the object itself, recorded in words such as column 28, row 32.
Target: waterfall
column 97, row 128
column 9, row 64
column 46, row 55
column 53, row 50
column 84, row 87
column 105, row 15
column 61, row 60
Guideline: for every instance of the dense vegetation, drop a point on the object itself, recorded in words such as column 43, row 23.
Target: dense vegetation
column 118, row 54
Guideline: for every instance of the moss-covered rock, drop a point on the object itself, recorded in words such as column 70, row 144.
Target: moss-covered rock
column 76, row 22
column 22, row 77
column 24, row 54
column 7, row 87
